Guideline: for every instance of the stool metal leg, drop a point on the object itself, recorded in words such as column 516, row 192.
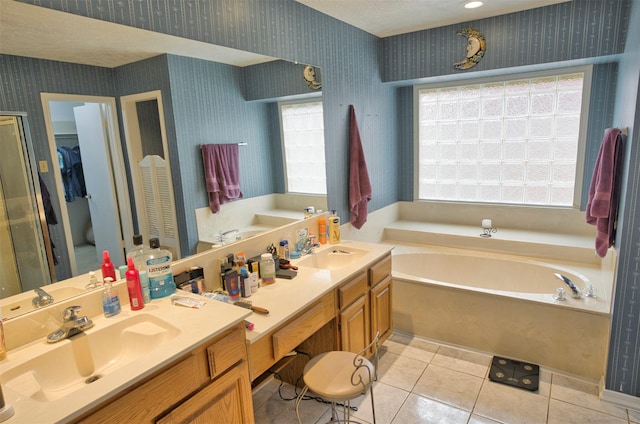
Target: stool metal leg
column 298, row 400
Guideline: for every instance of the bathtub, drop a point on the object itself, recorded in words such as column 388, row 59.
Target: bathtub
column 504, row 305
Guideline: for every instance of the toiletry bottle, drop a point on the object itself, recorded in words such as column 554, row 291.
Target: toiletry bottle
column 138, row 252
column 158, row 267
column 334, row 228
column 254, row 284
column 133, row 287
column 322, row 229
column 144, row 284
column 108, row 270
column 93, row 281
column 110, row 299
column 267, row 269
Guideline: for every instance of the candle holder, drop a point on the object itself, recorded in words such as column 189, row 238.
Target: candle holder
column 486, row 232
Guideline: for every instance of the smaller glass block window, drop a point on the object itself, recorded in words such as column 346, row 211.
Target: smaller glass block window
column 513, row 141
column 302, row 127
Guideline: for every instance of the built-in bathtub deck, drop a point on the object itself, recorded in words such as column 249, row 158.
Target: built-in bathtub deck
column 571, row 247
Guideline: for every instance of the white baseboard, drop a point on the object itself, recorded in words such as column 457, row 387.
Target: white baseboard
column 621, row 399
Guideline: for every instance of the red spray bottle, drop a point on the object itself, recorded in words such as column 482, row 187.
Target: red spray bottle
column 133, row 286
column 108, row 270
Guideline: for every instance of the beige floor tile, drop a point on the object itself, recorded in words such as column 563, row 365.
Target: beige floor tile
column 419, row 410
column 634, row 416
column 388, row 400
column 279, row 411
column 264, row 393
column 463, row 360
column 411, row 347
column 477, row 419
column 512, row 405
column 399, row 371
column 581, row 393
column 566, row 413
column 448, row 386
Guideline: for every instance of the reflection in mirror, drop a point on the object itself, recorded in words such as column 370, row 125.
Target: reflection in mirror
column 95, row 215
column 26, row 261
column 149, row 169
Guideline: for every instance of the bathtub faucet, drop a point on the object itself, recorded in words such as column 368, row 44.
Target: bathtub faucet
column 487, row 228
column 576, row 293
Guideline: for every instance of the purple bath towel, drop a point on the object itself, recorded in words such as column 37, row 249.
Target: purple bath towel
column 602, row 206
column 359, row 184
column 222, row 173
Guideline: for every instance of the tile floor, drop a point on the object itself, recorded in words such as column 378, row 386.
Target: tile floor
column 424, row 382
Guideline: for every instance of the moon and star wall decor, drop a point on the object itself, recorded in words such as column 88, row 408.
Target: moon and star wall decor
column 309, row 74
column 476, row 47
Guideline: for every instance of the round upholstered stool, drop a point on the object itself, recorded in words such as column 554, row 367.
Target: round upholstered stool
column 339, row 376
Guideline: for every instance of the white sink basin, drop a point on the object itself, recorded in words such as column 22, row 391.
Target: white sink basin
column 332, row 258
column 71, row 364
column 24, row 305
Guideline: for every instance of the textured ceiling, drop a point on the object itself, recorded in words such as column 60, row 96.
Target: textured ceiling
column 384, row 18
column 32, row 31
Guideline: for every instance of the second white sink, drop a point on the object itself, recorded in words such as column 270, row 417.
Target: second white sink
column 332, row 258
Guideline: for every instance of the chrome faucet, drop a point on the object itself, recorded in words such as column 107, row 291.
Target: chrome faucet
column 71, row 325
column 223, row 235
column 43, row 299
column 310, row 245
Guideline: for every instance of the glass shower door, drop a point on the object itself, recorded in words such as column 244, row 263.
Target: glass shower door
column 24, row 238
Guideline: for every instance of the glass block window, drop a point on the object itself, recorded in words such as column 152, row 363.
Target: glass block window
column 512, row 141
column 302, row 129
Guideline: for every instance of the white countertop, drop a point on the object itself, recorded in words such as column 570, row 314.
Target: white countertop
column 197, row 326
column 286, row 298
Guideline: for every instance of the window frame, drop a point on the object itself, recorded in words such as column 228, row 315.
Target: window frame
column 587, row 70
column 310, row 99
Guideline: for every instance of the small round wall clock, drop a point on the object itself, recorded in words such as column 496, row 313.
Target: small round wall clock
column 476, row 46
column 309, row 74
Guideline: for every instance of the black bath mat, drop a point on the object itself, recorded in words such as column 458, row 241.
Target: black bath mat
column 514, row 373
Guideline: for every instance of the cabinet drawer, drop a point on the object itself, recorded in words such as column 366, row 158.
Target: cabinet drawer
column 226, row 352
column 352, row 290
column 135, row 406
column 380, row 270
column 303, row 326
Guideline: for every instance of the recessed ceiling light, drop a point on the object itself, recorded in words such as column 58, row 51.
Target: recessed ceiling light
column 473, row 4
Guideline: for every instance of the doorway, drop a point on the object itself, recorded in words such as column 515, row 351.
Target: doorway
column 149, row 167
column 89, row 175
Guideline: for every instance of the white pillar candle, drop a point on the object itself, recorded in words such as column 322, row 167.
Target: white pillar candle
column 486, row 223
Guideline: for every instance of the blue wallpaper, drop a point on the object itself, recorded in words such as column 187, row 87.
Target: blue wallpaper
column 623, row 368
column 566, row 31
column 355, row 67
column 21, row 82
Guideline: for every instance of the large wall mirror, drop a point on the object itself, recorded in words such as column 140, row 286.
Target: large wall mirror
column 53, row 109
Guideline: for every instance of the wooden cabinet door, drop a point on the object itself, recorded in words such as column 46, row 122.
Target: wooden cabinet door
column 355, row 325
column 381, row 314
column 226, row 400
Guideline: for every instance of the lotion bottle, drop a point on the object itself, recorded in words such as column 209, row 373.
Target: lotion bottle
column 334, row 228
column 136, row 299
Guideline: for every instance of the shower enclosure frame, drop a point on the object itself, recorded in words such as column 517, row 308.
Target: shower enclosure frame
column 29, row 167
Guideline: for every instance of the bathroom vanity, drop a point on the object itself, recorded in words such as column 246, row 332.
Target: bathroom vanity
column 168, row 363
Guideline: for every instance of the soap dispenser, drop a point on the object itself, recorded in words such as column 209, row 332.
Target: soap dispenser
column 110, row 299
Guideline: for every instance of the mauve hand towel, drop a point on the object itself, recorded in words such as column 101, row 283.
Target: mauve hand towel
column 359, row 184
column 602, row 205
column 222, row 173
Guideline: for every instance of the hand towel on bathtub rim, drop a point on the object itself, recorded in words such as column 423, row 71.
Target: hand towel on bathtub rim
column 359, row 184
column 222, row 173
column 602, row 204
